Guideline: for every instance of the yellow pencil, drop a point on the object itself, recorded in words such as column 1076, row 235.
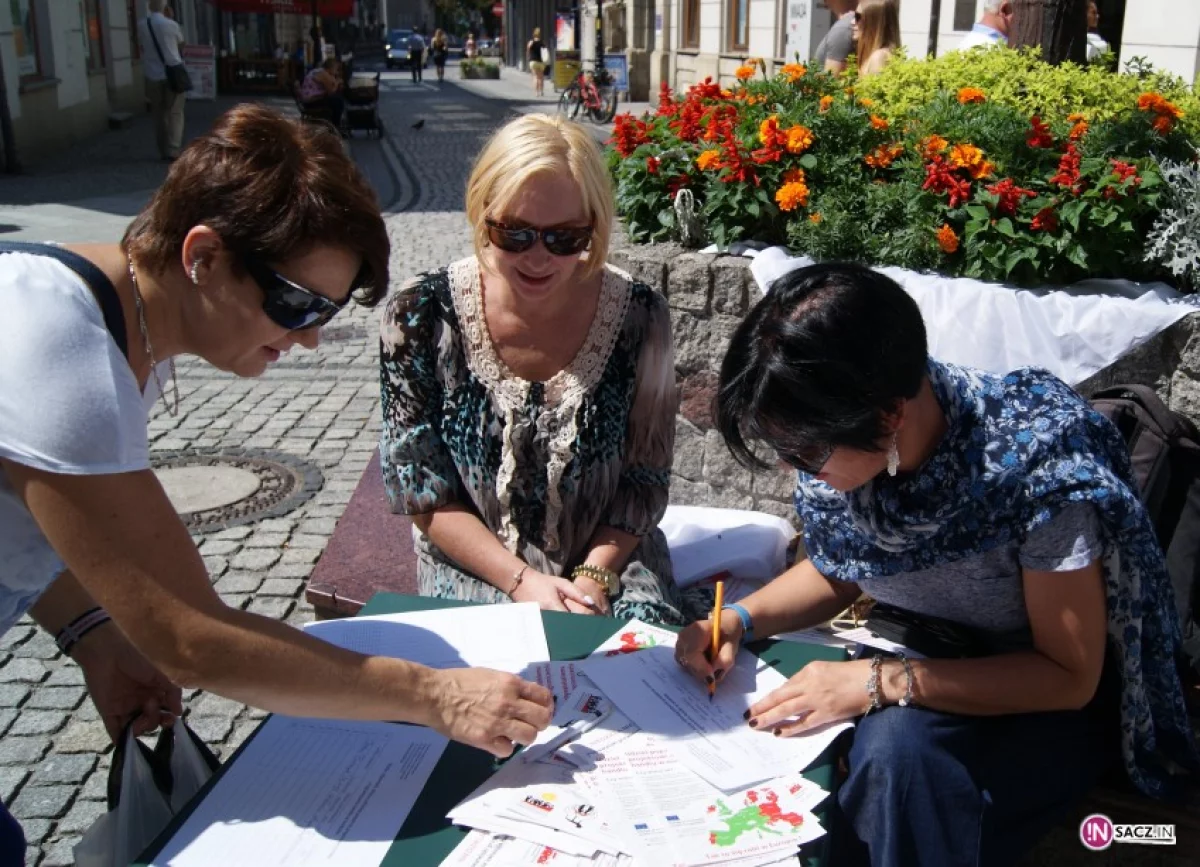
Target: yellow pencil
column 718, row 604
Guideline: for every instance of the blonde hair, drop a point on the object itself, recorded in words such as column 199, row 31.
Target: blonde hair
column 878, row 27
column 534, row 144
column 537, row 33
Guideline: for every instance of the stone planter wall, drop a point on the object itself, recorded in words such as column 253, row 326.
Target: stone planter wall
column 709, row 295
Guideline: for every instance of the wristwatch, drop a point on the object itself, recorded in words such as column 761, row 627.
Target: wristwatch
column 608, row 580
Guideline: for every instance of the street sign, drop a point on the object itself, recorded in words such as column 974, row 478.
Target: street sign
column 498, row 10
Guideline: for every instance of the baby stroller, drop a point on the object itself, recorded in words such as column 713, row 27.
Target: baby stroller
column 362, row 103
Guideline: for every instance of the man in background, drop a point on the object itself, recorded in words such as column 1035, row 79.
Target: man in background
column 416, row 54
column 838, row 43
column 992, row 28
column 160, row 39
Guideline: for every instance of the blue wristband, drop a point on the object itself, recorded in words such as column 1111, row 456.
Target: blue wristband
column 744, row 616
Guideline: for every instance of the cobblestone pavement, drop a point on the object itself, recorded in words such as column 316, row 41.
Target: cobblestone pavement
column 320, row 407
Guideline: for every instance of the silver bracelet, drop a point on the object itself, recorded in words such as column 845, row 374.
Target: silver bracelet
column 873, row 683
column 518, row 577
column 907, row 698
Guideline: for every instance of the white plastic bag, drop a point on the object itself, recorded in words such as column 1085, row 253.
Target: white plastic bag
column 143, row 810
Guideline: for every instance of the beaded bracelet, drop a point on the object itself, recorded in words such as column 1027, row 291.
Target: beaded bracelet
column 70, row 635
column 873, row 683
column 907, row 698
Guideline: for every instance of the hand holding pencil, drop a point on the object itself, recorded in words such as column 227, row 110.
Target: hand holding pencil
column 707, row 648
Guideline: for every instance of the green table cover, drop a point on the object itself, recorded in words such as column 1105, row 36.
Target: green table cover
column 427, row 837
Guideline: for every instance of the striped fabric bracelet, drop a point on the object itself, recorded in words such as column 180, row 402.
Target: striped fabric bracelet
column 70, row 634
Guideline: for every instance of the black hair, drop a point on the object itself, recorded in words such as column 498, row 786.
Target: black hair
column 818, row 361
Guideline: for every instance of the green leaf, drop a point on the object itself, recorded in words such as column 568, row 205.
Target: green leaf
column 667, row 217
column 1005, row 227
column 1071, row 213
column 1078, row 255
column 808, row 161
column 754, row 208
column 979, row 212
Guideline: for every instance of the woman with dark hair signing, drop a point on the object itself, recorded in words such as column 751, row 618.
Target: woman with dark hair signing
column 262, row 232
column 1003, row 505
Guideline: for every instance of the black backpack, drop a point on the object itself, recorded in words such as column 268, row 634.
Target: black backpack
column 1165, row 448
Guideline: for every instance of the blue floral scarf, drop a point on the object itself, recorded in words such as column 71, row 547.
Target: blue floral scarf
column 1019, row 449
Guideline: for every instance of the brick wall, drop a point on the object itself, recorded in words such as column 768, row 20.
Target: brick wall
column 709, row 295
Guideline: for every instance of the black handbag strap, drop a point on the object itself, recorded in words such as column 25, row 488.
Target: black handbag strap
column 154, row 39
column 102, row 287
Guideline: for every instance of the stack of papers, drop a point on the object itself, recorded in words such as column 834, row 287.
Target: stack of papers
column 661, row 776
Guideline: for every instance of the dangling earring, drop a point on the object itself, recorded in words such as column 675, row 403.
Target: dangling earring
column 893, row 457
column 195, row 272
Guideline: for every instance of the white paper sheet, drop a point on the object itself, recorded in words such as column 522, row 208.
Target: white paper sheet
column 309, row 792
column 481, row 849
column 863, row 635
column 709, row 737
column 505, row 637
column 663, row 814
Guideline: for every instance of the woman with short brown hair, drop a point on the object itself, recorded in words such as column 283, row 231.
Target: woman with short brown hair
column 262, row 232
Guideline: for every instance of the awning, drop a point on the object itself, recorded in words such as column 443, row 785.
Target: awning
column 332, row 8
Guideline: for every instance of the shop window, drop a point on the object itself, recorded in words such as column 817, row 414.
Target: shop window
column 964, row 14
column 739, row 25
column 25, row 39
column 93, row 39
column 690, row 32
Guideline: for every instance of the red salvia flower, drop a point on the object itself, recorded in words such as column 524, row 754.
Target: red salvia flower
column 1010, row 196
column 667, row 106
column 1039, row 134
column 1045, row 221
column 1068, row 170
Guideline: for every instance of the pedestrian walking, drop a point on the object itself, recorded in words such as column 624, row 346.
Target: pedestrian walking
column 469, row 48
column 416, row 54
column 261, row 233
column 440, row 46
column 160, row 39
column 535, row 54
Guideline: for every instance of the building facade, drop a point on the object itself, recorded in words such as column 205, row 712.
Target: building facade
column 696, row 39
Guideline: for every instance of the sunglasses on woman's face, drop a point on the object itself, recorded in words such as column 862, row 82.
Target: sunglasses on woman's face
column 290, row 305
column 857, row 17
column 812, row 461
column 561, row 241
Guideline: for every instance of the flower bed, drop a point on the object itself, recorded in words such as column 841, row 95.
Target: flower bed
column 964, row 182
column 478, row 68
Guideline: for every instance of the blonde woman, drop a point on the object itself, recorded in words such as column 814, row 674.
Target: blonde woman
column 876, row 34
column 529, row 396
column 535, row 53
column 440, row 47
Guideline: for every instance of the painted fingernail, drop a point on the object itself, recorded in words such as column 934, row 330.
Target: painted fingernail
column 746, row 715
column 708, row 679
column 719, row 673
column 778, row 732
column 753, row 723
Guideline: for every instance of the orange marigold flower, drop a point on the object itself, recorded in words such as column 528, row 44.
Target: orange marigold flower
column 744, row 72
column 981, row 170
column 793, row 72
column 1155, row 103
column 794, row 176
column 866, row 103
column 879, row 123
column 883, row 156
column 768, row 130
column 971, row 94
column 947, row 240
column 933, row 144
column 965, row 156
column 729, row 94
column 815, row 218
column 1079, row 130
column 709, row 159
column 1076, row 117
column 1163, row 124
column 799, row 139
column 792, row 196
column 826, row 102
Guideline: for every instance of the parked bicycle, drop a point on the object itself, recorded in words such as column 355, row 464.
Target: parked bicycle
column 592, row 93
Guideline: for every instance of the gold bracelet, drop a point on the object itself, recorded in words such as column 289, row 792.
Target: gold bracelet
column 518, row 577
column 606, row 578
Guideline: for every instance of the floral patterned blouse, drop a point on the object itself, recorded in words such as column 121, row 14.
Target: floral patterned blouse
column 543, row 464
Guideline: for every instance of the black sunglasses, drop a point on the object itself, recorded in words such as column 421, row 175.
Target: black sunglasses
column 811, row 462
column 563, row 241
column 290, row 305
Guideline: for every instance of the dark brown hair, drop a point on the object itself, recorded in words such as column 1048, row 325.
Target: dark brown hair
column 270, row 187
